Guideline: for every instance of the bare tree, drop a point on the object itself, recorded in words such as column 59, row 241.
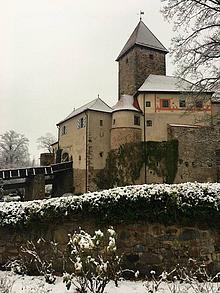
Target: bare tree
column 13, row 149
column 196, row 46
column 44, row 142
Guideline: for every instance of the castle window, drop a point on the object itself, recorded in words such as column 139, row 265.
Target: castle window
column 79, row 158
column 137, row 120
column 149, row 123
column 81, row 123
column 148, row 104
column 101, row 154
column 151, row 56
column 113, row 122
column 101, row 122
column 182, row 103
column 199, row 104
column 126, row 60
column 63, row 130
column 165, row 103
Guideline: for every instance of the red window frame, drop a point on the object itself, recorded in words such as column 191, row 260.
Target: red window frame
column 161, row 104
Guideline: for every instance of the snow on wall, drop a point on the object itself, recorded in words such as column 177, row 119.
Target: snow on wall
column 181, row 197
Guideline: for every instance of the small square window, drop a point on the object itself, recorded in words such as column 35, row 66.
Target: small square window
column 136, row 120
column 182, row 103
column 199, row 104
column 101, row 154
column 101, row 122
column 149, row 123
column 165, row 103
column 151, row 56
column 148, row 104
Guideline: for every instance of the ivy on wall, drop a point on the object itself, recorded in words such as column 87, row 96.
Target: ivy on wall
column 123, row 166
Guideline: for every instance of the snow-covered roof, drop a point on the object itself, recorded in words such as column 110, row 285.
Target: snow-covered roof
column 144, row 37
column 163, row 83
column 95, row 105
column 125, row 103
column 185, row 125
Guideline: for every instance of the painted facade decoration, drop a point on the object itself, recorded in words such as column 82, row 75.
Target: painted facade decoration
column 149, row 104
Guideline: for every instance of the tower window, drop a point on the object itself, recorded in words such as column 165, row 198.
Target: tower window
column 101, row 122
column 126, row 60
column 113, row 122
column 149, row 123
column 79, row 158
column 151, row 56
column 137, row 120
column 148, row 104
column 101, row 154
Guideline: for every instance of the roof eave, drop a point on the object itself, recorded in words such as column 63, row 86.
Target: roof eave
column 165, row 51
column 82, row 113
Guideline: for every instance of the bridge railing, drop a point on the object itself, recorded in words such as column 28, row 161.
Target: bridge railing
column 7, row 174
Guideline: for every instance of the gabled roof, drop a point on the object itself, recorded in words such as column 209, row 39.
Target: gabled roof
column 144, row 37
column 95, row 105
column 126, row 102
column 163, row 83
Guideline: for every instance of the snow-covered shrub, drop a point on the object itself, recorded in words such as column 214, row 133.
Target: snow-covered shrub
column 94, row 261
column 40, row 257
column 161, row 202
column 192, row 278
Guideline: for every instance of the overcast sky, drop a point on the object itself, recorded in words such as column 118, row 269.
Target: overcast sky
column 57, row 55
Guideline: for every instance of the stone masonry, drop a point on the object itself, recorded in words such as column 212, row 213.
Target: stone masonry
column 198, row 147
column 136, row 65
column 145, row 246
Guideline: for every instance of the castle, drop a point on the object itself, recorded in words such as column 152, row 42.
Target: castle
column 153, row 108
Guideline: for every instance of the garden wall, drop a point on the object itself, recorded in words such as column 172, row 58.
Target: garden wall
column 145, row 246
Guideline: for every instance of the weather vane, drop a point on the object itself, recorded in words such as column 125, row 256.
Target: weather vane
column 141, row 13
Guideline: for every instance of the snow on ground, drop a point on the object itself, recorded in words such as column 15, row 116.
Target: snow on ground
column 29, row 284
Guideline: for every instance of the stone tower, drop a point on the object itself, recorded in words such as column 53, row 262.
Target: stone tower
column 143, row 54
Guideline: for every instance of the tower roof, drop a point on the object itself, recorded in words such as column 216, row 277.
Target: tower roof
column 144, row 37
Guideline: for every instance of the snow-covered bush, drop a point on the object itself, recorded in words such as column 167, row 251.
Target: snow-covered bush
column 160, row 202
column 40, row 257
column 94, row 261
column 192, row 278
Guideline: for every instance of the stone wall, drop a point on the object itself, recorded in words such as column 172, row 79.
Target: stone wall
column 197, row 153
column 145, row 246
column 136, row 65
column 123, row 135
